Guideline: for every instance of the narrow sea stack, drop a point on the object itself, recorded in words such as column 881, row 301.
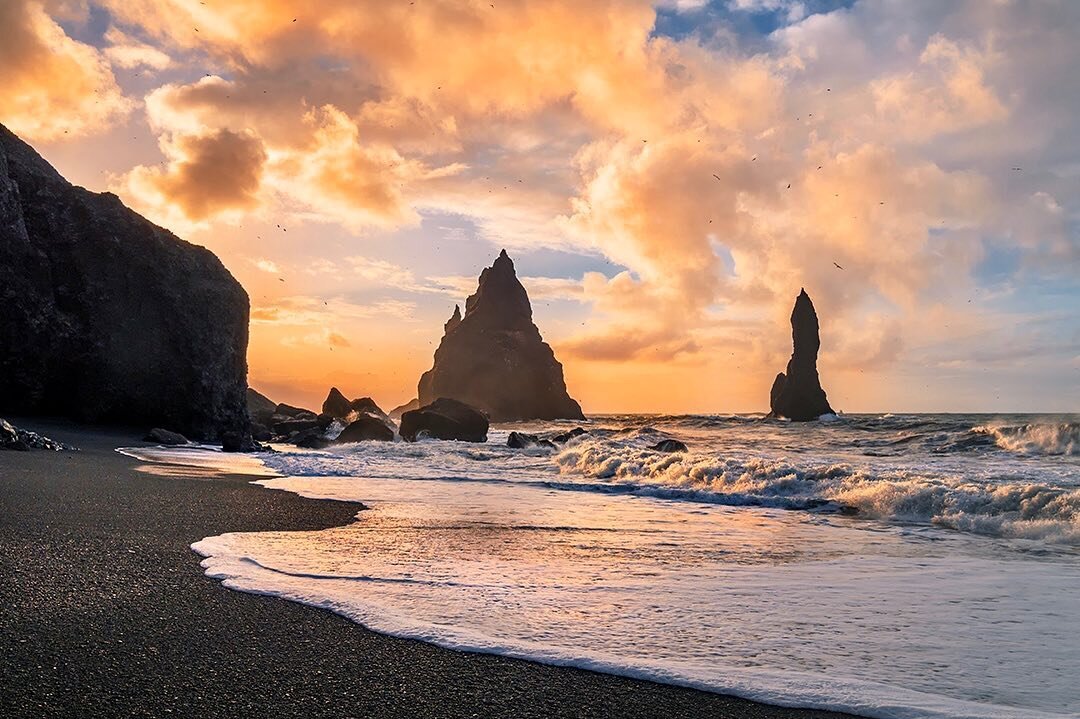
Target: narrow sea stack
column 493, row 358
column 797, row 395
column 105, row 317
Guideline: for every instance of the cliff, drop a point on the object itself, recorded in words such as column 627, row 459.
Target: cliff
column 107, row 317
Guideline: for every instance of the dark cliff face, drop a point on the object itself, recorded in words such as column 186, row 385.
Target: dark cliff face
column 106, row 317
column 797, row 394
column 493, row 358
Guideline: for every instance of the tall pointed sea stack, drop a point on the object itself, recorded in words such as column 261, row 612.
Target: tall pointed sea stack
column 106, row 317
column 798, row 395
column 494, row 358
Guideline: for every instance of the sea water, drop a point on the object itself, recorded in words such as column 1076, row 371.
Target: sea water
column 890, row 566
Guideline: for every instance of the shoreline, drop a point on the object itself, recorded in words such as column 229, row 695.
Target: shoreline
column 110, row 613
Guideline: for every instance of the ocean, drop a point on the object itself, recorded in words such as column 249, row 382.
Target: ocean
column 892, row 566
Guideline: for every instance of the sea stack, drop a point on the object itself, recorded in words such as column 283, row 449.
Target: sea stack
column 493, row 358
column 797, row 395
column 105, row 317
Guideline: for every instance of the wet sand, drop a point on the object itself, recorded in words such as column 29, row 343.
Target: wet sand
column 106, row 612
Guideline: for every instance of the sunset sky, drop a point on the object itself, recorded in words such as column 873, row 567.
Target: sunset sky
column 666, row 176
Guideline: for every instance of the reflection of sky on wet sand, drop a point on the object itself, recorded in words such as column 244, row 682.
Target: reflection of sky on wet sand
column 195, row 462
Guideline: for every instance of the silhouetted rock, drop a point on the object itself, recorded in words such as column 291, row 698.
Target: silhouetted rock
column 567, row 436
column 22, row 440
column 238, row 441
column 284, row 429
column 289, row 411
column 669, row 445
column 494, row 358
column 260, row 407
column 108, row 318
column 366, row 428
column 310, row 439
column 336, row 404
column 261, row 432
column 366, row 405
column 521, row 440
column 396, row 412
column 445, row 419
column 164, row 436
column 797, row 394
column 8, row 433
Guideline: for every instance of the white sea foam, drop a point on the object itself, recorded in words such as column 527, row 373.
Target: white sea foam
column 806, row 565
column 759, row 603
column 1019, row 510
column 1034, row 439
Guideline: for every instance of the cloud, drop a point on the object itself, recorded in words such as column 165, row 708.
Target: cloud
column 53, row 86
column 267, row 266
column 127, row 52
column 206, row 175
column 301, row 310
column 946, row 93
column 539, row 288
column 879, row 136
column 324, row 337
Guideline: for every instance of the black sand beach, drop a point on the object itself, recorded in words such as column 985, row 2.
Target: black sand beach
column 106, row 612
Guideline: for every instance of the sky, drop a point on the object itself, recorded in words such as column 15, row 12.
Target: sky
column 666, row 176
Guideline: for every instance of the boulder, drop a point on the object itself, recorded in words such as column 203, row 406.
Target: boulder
column 668, row 445
column 164, row 436
column 288, row 410
column 238, row 442
column 366, row 428
column 520, row 440
column 108, row 318
column 494, row 359
column 8, row 433
column 366, row 405
column 336, row 404
column 445, row 419
column 340, row 407
column 296, row 425
column 260, row 432
column 21, row 440
column 310, row 439
column 260, row 407
column 396, row 412
column 797, row 394
column 567, row 436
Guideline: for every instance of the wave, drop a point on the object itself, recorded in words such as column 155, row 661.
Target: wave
column 1022, row 510
column 1060, row 438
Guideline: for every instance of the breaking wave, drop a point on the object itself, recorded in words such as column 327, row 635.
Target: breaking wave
column 1061, row 438
column 1023, row 510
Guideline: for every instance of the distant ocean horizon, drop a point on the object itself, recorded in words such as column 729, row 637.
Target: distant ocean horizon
column 890, row 565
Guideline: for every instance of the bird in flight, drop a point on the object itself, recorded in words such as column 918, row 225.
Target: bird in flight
column 837, row 266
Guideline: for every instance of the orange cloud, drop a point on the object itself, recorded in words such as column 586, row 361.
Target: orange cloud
column 53, row 86
column 208, row 174
column 127, row 52
column 719, row 181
